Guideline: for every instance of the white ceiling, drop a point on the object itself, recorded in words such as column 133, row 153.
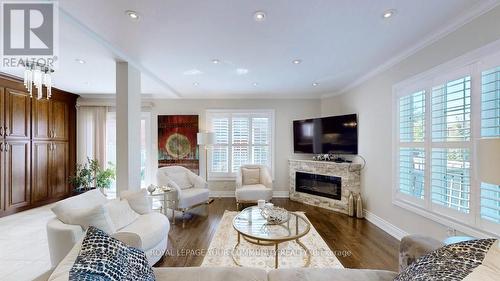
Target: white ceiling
column 174, row 42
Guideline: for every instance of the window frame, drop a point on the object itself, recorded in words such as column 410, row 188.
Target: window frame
column 471, row 64
column 248, row 113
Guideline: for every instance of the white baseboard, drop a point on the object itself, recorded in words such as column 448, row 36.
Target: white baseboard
column 386, row 226
column 230, row 194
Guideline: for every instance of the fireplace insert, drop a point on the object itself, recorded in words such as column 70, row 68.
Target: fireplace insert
column 320, row 185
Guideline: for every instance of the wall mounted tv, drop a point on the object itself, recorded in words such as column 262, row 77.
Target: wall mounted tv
column 334, row 134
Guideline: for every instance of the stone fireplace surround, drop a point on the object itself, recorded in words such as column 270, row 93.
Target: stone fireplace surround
column 348, row 172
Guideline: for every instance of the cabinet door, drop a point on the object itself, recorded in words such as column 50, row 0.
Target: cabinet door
column 17, row 114
column 59, row 122
column 59, row 169
column 40, row 179
column 17, row 174
column 41, row 119
column 2, row 111
column 2, row 178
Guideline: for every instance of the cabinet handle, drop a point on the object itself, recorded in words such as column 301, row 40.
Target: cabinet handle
column 6, row 131
column 6, row 147
column 1, row 146
column 1, row 132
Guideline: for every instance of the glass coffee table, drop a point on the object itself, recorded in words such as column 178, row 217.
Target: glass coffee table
column 255, row 229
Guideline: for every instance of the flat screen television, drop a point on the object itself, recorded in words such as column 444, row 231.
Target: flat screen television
column 334, row 134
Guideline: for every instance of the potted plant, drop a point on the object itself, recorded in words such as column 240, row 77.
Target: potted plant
column 90, row 176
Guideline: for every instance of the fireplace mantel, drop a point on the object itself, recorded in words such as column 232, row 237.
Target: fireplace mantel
column 348, row 172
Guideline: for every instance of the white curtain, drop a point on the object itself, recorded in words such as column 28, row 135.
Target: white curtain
column 91, row 134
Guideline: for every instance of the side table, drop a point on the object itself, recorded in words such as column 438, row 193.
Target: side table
column 168, row 198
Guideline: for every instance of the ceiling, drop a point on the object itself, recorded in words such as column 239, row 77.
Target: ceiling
column 174, row 43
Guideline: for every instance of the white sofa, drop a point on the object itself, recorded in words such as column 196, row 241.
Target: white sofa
column 253, row 182
column 192, row 190
column 150, row 228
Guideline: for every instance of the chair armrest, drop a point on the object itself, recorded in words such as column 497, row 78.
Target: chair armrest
column 197, row 181
column 266, row 178
column 239, row 179
column 61, row 238
column 413, row 247
column 178, row 190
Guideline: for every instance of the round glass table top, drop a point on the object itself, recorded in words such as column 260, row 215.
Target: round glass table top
column 251, row 223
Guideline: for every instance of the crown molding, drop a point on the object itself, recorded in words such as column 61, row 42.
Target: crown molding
column 467, row 17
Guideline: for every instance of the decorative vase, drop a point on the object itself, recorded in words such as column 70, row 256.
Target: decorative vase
column 350, row 204
column 359, row 207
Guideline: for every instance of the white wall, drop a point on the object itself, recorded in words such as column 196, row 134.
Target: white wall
column 372, row 101
column 285, row 112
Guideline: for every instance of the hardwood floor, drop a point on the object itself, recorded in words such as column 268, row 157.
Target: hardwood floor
column 369, row 246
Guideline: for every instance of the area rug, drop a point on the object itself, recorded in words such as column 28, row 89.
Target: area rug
column 250, row 255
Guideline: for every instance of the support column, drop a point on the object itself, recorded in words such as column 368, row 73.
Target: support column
column 128, row 127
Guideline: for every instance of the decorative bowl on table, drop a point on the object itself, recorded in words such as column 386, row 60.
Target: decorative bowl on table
column 151, row 188
column 275, row 215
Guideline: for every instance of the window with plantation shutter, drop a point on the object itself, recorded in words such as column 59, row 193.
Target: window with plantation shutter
column 242, row 137
column 439, row 117
column 490, row 128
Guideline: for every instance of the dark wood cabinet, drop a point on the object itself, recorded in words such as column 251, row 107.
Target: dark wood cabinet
column 37, row 146
column 17, row 174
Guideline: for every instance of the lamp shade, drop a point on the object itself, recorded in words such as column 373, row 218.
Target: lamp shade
column 488, row 159
column 207, row 138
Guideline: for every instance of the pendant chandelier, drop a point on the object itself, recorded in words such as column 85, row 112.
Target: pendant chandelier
column 38, row 75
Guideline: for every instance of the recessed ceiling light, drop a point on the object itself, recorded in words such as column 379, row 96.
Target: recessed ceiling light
column 215, row 61
column 296, row 61
column 389, row 13
column 259, row 16
column 80, row 61
column 241, row 71
column 132, row 14
column 315, row 84
column 196, row 84
column 255, row 84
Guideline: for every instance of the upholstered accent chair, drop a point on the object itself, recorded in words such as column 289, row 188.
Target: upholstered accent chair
column 253, row 182
column 192, row 190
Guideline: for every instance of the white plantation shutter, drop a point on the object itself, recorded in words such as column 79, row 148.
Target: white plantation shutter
column 242, row 137
column 490, row 127
column 412, row 117
column 412, row 171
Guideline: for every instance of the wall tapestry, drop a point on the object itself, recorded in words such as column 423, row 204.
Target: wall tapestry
column 177, row 141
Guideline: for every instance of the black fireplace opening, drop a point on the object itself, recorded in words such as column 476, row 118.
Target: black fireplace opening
column 321, row 185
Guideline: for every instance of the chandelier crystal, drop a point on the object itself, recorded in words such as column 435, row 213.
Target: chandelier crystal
column 38, row 76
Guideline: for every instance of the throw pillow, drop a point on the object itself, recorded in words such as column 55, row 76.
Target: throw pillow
column 89, row 199
column 452, row 262
column 105, row 258
column 250, row 176
column 120, row 213
column 97, row 216
column 181, row 179
column 137, row 201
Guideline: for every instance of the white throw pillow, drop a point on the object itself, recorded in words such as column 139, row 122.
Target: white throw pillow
column 120, row 213
column 250, row 176
column 181, row 179
column 87, row 200
column 97, row 216
column 137, row 201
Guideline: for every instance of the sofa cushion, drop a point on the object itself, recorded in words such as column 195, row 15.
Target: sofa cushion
column 451, row 262
column 152, row 228
column 250, row 176
column 329, row 274
column 104, row 258
column 209, row 274
column 181, row 179
column 489, row 270
column 120, row 213
column 254, row 192
column 193, row 196
column 137, row 200
column 97, row 216
column 86, row 200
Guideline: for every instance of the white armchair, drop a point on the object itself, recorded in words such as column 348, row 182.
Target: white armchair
column 192, row 190
column 253, row 183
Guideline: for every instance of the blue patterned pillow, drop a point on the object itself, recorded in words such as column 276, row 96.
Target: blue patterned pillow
column 105, row 258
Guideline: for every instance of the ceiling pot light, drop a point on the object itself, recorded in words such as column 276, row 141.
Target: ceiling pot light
column 255, row 84
column 259, row 16
column 196, row 84
column 132, row 14
column 389, row 13
column 297, row 61
column 80, row 61
column 315, row 84
column 215, row 61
